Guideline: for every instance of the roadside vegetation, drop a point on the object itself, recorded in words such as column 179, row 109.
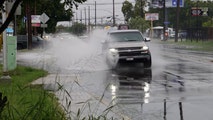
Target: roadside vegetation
column 194, row 45
column 20, row 100
column 27, row 102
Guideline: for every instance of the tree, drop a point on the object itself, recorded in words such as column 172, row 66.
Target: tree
column 55, row 10
column 139, row 8
column 68, row 3
column 127, row 10
column 139, row 23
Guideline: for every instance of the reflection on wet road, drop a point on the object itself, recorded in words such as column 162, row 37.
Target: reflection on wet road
column 183, row 89
column 178, row 86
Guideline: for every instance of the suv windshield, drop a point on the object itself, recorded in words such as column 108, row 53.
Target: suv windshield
column 125, row 36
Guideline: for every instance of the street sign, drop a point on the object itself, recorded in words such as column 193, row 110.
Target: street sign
column 199, row 11
column 152, row 16
column 196, row 12
column 43, row 25
column 166, row 22
column 44, row 18
column 35, row 19
column 174, row 3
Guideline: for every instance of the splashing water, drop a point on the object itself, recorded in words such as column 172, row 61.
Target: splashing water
column 70, row 53
column 67, row 52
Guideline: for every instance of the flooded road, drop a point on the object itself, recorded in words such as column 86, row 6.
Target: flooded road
column 178, row 86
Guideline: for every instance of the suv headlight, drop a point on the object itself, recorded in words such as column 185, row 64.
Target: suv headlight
column 145, row 48
column 113, row 50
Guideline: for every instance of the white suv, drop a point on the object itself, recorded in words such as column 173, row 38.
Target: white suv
column 122, row 46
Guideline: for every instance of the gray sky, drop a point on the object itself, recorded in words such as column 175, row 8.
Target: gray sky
column 104, row 9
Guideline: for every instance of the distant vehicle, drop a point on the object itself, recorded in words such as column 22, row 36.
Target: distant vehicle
column 22, row 41
column 122, row 46
column 172, row 34
column 123, row 27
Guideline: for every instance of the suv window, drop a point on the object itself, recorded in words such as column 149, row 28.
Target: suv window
column 125, row 36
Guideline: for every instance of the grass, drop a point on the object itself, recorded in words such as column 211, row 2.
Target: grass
column 195, row 45
column 27, row 102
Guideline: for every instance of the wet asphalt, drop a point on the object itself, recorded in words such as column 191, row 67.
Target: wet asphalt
column 178, row 86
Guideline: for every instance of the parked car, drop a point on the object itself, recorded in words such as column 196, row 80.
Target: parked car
column 22, row 42
column 122, row 46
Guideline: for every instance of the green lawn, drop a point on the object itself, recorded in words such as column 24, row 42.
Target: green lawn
column 27, row 102
column 195, row 45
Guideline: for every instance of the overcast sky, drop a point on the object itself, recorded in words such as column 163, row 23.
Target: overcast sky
column 104, row 9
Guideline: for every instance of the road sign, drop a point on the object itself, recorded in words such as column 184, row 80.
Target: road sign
column 166, row 22
column 152, row 16
column 174, row 3
column 199, row 11
column 35, row 19
column 43, row 25
column 44, row 18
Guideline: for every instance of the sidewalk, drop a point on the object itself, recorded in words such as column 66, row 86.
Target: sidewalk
column 74, row 97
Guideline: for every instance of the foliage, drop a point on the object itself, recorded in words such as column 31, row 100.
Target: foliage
column 52, row 6
column 78, row 28
column 134, row 15
column 127, row 10
column 139, row 23
column 3, row 102
column 139, row 8
column 27, row 102
column 208, row 23
column 193, row 45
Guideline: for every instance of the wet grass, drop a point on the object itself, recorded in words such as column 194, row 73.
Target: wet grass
column 194, row 45
column 27, row 102
column 32, row 102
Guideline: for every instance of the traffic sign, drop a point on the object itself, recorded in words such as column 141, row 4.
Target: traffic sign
column 43, row 25
column 166, row 22
column 44, row 18
column 199, row 11
column 152, row 16
column 174, row 3
column 196, row 12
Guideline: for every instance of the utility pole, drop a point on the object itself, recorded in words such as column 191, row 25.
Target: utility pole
column 35, row 12
column 177, row 20
column 5, row 75
column 81, row 16
column 95, row 14
column 29, row 28
column 76, row 18
column 113, row 14
column 85, row 16
column 89, row 18
column 164, row 14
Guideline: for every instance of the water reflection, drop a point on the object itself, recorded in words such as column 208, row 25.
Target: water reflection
column 180, row 108
column 130, row 85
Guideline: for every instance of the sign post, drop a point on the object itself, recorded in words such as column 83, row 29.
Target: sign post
column 44, row 18
column 199, row 11
column 151, row 17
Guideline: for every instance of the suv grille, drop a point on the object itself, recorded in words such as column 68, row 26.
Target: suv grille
column 131, row 51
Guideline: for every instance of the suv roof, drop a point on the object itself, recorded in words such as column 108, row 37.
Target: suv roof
column 132, row 30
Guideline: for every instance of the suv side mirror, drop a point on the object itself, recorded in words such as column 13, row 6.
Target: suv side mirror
column 147, row 39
